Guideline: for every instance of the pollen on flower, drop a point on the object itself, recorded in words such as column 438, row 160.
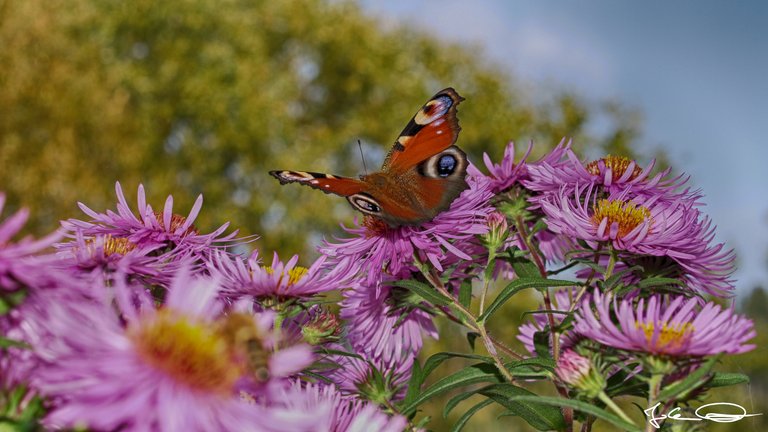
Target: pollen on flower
column 627, row 215
column 617, row 164
column 669, row 337
column 177, row 221
column 111, row 245
column 190, row 352
column 294, row 275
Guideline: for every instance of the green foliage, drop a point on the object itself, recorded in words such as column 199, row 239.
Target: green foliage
column 201, row 96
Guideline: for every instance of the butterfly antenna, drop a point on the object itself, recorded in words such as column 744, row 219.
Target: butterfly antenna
column 362, row 156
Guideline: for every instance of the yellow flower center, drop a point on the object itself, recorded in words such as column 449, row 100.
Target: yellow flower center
column 190, row 352
column 177, row 221
column 627, row 215
column 669, row 337
column 294, row 275
column 617, row 164
column 111, row 245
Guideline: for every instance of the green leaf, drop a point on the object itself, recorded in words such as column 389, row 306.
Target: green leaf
column 465, row 293
column 436, row 359
column 580, row 406
column 425, row 291
column 414, row 384
column 468, row 415
column 524, row 267
column 535, row 367
column 518, row 285
column 541, row 416
column 694, row 380
column 457, row 400
column 659, row 281
column 722, row 379
column 478, row 373
column 420, row 373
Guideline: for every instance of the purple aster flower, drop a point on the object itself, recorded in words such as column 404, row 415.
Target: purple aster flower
column 345, row 413
column 373, row 379
column 675, row 327
column 20, row 263
column 376, row 328
column 111, row 258
column 504, row 175
column 182, row 366
column 381, row 248
column 611, row 174
column 163, row 230
column 646, row 226
column 280, row 281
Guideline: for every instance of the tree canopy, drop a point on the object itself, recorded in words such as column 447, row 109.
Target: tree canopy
column 201, row 96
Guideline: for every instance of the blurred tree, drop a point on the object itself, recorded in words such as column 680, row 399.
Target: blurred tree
column 201, row 96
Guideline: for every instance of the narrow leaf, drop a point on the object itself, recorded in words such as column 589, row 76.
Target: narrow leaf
column 524, row 267
column 540, row 416
column 468, row 415
column 580, row 406
column 680, row 389
column 465, row 293
column 518, row 285
column 722, row 379
column 474, row 374
column 425, row 291
column 436, row 359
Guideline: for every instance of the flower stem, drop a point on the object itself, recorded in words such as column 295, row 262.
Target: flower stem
column 468, row 318
column 612, row 405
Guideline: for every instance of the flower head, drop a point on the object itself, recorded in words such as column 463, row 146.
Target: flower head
column 165, row 230
column 179, row 367
column 609, row 175
column 280, row 280
column 677, row 327
column 345, row 413
column 646, row 226
column 378, row 328
column 381, row 248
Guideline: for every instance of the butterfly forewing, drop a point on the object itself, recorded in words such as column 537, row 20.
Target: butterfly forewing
column 432, row 129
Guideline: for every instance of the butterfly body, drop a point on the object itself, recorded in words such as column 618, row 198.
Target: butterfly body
column 422, row 173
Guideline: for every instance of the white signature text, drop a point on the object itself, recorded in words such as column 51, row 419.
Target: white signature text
column 700, row 415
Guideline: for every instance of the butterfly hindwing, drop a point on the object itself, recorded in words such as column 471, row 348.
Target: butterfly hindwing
column 432, row 129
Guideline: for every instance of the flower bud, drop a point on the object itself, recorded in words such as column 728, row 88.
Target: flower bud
column 578, row 371
column 323, row 327
column 498, row 231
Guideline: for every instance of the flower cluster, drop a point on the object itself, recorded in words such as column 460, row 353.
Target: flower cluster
column 138, row 320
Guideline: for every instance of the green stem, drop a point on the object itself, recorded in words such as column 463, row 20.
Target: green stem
column 654, row 387
column 613, row 257
column 468, row 318
column 612, row 405
column 487, row 278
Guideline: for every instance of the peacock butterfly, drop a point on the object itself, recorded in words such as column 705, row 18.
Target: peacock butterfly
column 422, row 173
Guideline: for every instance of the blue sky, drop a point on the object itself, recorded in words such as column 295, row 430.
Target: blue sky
column 698, row 71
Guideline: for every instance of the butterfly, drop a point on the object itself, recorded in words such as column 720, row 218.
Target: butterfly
column 422, row 173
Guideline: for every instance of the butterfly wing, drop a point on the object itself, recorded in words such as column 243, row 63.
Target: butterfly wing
column 432, row 129
column 328, row 183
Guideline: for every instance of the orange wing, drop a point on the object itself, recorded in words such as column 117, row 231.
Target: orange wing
column 433, row 129
column 331, row 184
